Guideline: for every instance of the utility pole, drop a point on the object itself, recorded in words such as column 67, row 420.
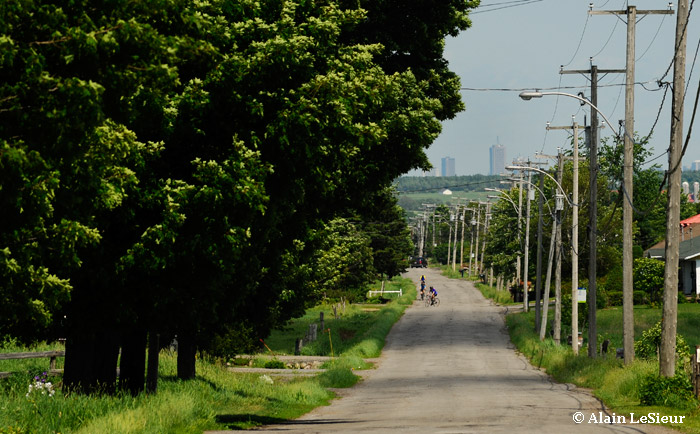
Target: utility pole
column 557, row 255
column 538, row 283
column 527, row 240
column 520, row 239
column 667, row 351
column 454, row 245
column 574, row 240
column 593, row 205
column 627, row 189
column 574, row 249
column 461, row 247
column 471, row 243
column 487, row 218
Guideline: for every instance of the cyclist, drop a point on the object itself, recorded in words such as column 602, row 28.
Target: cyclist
column 422, row 289
column 433, row 294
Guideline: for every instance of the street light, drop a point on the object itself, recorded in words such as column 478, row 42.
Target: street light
column 628, row 339
column 527, row 96
column 537, row 169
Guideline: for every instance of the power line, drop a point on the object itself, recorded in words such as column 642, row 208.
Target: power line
column 652, row 40
column 521, row 89
column 585, row 25
column 520, row 3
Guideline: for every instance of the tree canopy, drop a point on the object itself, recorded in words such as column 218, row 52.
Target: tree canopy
column 166, row 165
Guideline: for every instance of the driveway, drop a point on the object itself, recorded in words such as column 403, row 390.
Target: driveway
column 452, row 369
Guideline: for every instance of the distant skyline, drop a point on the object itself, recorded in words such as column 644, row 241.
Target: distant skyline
column 520, row 47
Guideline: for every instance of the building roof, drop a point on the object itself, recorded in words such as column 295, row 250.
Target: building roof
column 688, row 250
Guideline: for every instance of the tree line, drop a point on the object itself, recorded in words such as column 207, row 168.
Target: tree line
column 204, row 169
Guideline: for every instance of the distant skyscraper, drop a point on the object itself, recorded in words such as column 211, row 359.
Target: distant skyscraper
column 497, row 154
column 695, row 165
column 448, row 167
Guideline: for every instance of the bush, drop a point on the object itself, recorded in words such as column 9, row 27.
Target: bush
column 275, row 364
column 640, row 297
column 647, row 346
column 676, row 391
column 615, row 298
column 613, row 280
column 649, row 278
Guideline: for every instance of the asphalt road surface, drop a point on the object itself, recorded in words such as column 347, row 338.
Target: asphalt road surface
column 452, row 369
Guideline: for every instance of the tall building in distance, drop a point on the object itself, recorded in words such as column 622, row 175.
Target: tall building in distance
column 497, row 154
column 448, row 167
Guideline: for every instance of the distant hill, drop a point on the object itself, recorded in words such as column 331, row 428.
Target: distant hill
column 428, row 184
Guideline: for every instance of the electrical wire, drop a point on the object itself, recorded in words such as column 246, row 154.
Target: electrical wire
column 675, row 51
column 585, row 25
column 653, row 39
column 521, row 3
column 609, row 38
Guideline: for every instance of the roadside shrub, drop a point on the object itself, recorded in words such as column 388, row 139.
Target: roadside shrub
column 649, row 278
column 681, row 298
column 615, row 298
column 602, row 300
column 275, row 364
column 647, row 346
column 676, row 391
column 613, row 280
column 640, row 297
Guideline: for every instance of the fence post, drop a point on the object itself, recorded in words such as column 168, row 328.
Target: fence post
column 52, row 363
column 297, row 346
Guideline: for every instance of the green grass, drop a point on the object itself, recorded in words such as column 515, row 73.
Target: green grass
column 617, row 385
column 358, row 331
column 217, row 399
column 501, row 297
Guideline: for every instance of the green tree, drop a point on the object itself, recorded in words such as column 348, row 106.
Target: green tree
column 649, row 277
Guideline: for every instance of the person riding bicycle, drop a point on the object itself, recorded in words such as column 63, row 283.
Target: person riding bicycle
column 422, row 290
column 433, row 294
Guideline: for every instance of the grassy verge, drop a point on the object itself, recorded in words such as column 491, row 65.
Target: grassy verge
column 358, row 331
column 217, row 398
column 617, row 385
column 501, row 297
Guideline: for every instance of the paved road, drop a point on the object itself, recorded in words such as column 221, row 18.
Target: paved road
column 452, row 369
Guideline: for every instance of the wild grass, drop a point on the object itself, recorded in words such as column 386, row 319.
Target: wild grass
column 501, row 297
column 618, row 386
column 217, row 399
column 359, row 330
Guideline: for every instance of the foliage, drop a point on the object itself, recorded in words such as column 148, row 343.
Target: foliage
column 676, row 391
column 407, row 184
column 274, row 364
column 180, row 159
column 647, row 347
column 649, row 278
column 342, row 262
column 383, row 221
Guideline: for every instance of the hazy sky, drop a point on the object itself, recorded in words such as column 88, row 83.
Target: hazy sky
column 521, row 45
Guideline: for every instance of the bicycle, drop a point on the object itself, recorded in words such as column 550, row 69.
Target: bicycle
column 436, row 302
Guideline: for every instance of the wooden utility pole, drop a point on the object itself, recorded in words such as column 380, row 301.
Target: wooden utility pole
column 538, row 279
column 526, row 303
column 627, row 189
column 574, row 239
column 593, row 204
column 667, row 351
column 557, row 256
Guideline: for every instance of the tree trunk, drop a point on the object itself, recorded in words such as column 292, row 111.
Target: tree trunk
column 91, row 362
column 153, row 357
column 133, row 362
column 186, row 357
